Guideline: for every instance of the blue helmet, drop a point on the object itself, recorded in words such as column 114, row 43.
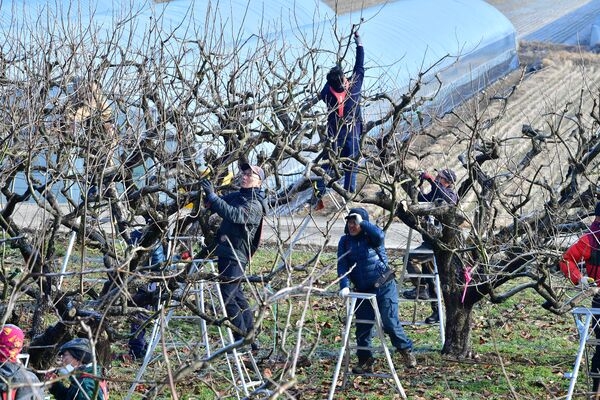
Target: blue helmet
column 78, row 344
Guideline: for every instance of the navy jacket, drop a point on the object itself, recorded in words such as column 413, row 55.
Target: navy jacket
column 242, row 212
column 366, row 252
column 439, row 192
column 349, row 126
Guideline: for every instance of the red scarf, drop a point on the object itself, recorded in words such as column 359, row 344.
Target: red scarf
column 340, row 97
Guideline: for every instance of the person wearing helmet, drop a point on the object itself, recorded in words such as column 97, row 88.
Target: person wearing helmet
column 78, row 362
column 363, row 261
column 16, row 382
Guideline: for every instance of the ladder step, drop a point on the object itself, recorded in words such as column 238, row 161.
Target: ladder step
column 420, row 275
column 430, row 300
column 421, row 251
column 363, row 321
column 374, row 349
column 372, row 374
column 593, row 342
column 417, row 323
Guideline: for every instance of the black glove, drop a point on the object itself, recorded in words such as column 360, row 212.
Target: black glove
column 207, row 186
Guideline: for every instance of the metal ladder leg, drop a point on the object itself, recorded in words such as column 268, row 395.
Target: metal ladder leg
column 344, row 355
column 156, row 336
column 350, row 304
column 437, row 283
column 243, row 374
column 438, row 292
column 583, row 320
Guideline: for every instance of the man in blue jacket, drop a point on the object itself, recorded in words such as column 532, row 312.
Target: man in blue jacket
column 362, row 260
column 242, row 214
column 344, row 119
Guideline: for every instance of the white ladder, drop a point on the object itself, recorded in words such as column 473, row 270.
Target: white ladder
column 344, row 357
column 206, row 294
column 438, row 287
column 586, row 319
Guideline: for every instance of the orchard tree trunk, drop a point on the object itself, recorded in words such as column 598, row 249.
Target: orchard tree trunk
column 458, row 327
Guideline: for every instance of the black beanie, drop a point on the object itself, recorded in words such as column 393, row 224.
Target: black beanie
column 335, row 78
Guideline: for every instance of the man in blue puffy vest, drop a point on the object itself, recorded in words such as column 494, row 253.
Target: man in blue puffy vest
column 344, row 119
column 362, row 260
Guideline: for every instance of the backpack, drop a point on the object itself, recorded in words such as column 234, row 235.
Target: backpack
column 6, row 377
column 101, row 383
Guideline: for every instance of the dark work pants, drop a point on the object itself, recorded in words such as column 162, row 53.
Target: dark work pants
column 425, row 260
column 144, row 297
column 350, row 149
column 236, row 305
column 387, row 302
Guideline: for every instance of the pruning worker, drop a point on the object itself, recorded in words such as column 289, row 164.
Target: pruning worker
column 78, row 363
column 587, row 250
column 344, row 118
column 441, row 189
column 237, row 238
column 362, row 260
column 16, row 382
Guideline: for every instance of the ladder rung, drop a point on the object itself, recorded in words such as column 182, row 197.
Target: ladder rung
column 421, row 251
column 417, row 323
column 420, row 275
column 372, row 375
column 430, row 300
column 593, row 342
column 363, row 321
column 375, row 348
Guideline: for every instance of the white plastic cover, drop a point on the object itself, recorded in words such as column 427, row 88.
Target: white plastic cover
column 401, row 37
column 470, row 42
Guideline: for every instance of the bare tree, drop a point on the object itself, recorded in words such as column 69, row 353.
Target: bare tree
column 105, row 135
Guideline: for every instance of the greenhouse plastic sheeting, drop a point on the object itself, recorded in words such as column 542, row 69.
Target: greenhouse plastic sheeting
column 405, row 36
column 470, row 42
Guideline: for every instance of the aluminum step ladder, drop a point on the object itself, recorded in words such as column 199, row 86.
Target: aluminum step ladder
column 242, row 367
column 429, row 255
column 586, row 319
column 343, row 361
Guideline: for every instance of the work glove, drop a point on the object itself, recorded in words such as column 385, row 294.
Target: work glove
column 207, row 186
column 357, row 218
column 586, row 282
column 425, row 176
column 345, row 292
column 357, row 39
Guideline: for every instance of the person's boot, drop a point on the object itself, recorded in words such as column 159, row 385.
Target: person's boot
column 419, row 292
column 408, row 357
column 434, row 318
column 364, row 366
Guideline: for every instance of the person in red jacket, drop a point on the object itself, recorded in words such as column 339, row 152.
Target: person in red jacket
column 587, row 250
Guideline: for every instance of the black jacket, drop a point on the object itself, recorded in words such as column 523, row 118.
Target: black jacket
column 242, row 213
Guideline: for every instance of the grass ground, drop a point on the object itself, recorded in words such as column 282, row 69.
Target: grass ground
column 520, row 350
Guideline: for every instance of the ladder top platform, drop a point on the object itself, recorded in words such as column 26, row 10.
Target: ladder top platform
column 364, row 296
column 585, row 310
column 417, row 250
